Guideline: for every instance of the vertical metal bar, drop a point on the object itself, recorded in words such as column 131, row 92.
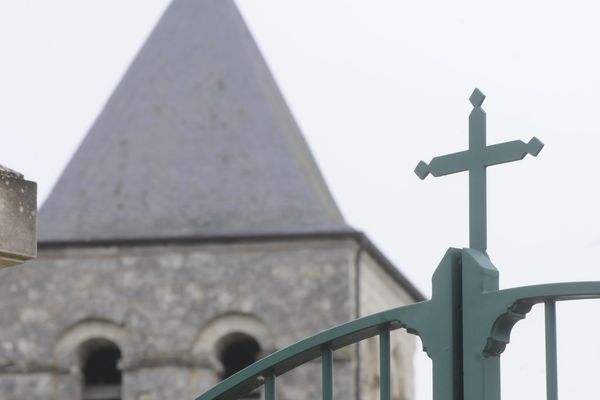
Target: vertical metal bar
column 384, row 364
column 551, row 358
column 327, row 374
column 270, row 387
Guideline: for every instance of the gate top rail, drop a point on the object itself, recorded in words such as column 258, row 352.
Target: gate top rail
column 311, row 348
column 502, row 308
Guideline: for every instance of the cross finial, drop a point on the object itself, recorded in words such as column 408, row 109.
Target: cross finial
column 477, row 98
column 476, row 160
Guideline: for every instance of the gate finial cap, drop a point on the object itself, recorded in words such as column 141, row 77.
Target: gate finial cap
column 477, row 98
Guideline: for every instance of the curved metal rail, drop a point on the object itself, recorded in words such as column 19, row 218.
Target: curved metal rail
column 464, row 329
column 266, row 370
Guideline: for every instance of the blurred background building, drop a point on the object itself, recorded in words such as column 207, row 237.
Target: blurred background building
column 190, row 234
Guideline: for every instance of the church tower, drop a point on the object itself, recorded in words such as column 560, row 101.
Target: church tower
column 190, row 234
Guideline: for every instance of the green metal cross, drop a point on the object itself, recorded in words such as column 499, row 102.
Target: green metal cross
column 475, row 160
column 464, row 327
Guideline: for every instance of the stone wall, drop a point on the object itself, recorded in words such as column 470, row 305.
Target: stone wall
column 168, row 307
column 156, row 302
column 378, row 292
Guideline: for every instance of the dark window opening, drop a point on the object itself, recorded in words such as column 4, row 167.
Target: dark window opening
column 101, row 375
column 237, row 352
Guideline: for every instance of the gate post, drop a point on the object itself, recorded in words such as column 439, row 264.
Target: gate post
column 441, row 332
column 481, row 378
column 480, row 370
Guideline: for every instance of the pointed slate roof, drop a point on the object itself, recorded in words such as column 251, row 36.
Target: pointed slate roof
column 195, row 141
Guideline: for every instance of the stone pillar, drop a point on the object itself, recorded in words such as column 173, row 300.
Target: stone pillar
column 18, row 212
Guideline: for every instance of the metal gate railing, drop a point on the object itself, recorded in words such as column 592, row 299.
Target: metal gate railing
column 266, row 371
column 482, row 331
column 465, row 326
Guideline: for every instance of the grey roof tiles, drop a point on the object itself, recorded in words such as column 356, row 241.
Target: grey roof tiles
column 195, row 141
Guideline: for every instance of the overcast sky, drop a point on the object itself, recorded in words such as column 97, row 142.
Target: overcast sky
column 377, row 86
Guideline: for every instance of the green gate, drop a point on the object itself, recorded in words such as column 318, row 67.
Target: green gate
column 465, row 326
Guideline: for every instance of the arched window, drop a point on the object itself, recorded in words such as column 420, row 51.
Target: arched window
column 230, row 342
column 237, row 351
column 99, row 367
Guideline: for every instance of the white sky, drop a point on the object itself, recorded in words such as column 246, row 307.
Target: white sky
column 377, row 86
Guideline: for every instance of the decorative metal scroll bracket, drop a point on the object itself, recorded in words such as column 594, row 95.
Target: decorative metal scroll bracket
column 466, row 325
column 489, row 314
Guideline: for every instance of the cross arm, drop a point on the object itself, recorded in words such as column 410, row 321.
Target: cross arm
column 511, row 151
column 444, row 165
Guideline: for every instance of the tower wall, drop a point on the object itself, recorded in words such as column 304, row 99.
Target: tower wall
column 378, row 292
column 165, row 308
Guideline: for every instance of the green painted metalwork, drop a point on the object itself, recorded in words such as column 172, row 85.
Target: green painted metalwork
column 327, row 380
column 551, row 348
column 489, row 315
column 464, row 327
column 384, row 365
column 270, row 393
column 476, row 160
